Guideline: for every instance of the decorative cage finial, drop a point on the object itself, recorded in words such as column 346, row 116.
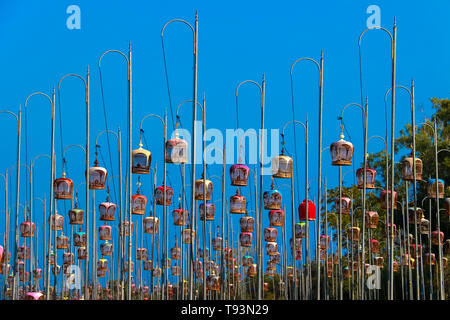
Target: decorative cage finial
column 139, row 185
column 107, row 194
column 63, row 165
column 342, row 132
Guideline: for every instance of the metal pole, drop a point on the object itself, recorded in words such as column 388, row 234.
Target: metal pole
column 130, row 163
column 261, row 152
column 319, row 187
column 394, row 49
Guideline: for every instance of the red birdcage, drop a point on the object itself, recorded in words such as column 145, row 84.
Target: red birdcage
column 63, row 188
column 341, row 152
column 107, row 210
column 27, row 229
column 105, row 232
column 138, row 202
column 385, row 198
column 311, row 211
column 239, row 174
column 246, row 239
column 371, row 175
column 276, row 218
column 343, row 205
column 372, row 218
column 272, row 199
column 210, row 211
column 436, row 236
column 180, row 217
column 247, row 223
column 237, row 203
column 97, row 177
column 159, row 195
column 270, row 234
column 176, row 150
column 79, row 239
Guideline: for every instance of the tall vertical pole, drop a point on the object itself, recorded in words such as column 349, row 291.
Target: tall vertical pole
column 17, row 193
column 441, row 271
column 308, row 264
column 31, row 220
column 394, row 49
column 261, row 154
column 94, row 250
column 52, row 178
column 204, row 198
column 293, row 249
column 193, row 156
column 319, row 175
column 130, row 163
column 120, row 253
column 222, row 260
column 87, row 173
column 165, row 213
column 6, row 259
column 366, row 110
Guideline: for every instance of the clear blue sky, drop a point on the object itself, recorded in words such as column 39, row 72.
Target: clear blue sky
column 237, row 41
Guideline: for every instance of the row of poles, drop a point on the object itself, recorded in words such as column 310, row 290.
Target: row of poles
column 305, row 291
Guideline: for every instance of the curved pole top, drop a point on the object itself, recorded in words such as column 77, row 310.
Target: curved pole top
column 11, row 113
column 306, row 59
column 425, row 123
column 371, row 28
column 401, row 203
column 105, row 131
column 176, row 20
column 185, row 101
column 38, row 156
column 294, row 121
column 151, row 115
column 78, row 185
column 71, row 75
column 402, row 87
column 73, row 145
column 250, row 81
column 351, row 104
column 36, row 198
column 377, row 137
column 37, row 93
column 443, row 150
column 21, row 165
column 108, row 51
column 215, row 176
